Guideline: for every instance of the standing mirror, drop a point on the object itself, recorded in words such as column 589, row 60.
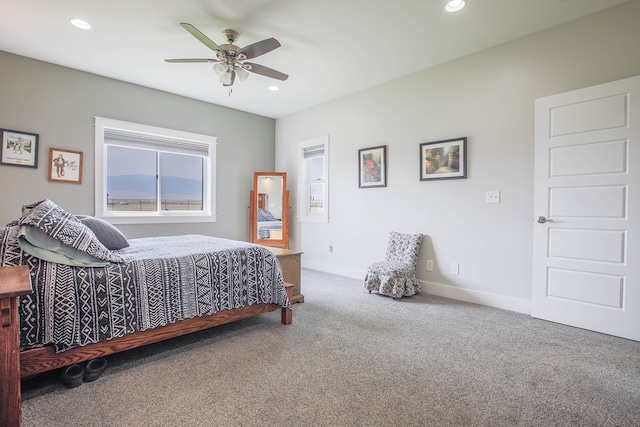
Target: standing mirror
column 269, row 210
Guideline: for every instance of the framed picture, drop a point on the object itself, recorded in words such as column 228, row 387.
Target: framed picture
column 445, row 159
column 19, row 148
column 65, row 165
column 372, row 167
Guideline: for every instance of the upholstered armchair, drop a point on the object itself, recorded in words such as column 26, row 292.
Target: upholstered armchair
column 396, row 275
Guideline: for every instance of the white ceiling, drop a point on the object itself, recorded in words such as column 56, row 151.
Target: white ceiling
column 329, row 47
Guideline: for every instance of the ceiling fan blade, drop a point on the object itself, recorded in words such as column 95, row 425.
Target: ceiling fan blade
column 259, row 48
column 192, row 60
column 200, row 36
column 265, row 71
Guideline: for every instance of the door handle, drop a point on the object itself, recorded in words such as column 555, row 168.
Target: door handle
column 541, row 219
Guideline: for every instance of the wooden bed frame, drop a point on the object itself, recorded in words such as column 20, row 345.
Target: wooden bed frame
column 15, row 281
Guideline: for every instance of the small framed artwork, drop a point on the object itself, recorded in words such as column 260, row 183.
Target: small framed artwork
column 19, row 148
column 372, row 167
column 446, row 159
column 65, row 165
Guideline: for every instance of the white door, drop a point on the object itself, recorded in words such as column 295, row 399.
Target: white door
column 586, row 232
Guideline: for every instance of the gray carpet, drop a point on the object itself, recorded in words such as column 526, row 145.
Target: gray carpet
column 356, row 359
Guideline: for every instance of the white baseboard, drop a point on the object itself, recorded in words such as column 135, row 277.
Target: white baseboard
column 354, row 273
column 477, row 297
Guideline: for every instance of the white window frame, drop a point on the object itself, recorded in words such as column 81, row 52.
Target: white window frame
column 304, row 215
column 208, row 212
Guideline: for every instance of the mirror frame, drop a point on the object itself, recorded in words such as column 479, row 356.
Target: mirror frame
column 253, row 212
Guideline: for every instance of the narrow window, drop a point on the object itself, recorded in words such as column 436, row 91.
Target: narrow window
column 313, row 187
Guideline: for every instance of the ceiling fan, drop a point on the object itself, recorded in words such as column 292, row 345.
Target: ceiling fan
column 230, row 60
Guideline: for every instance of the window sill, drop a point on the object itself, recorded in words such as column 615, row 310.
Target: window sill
column 158, row 219
column 309, row 218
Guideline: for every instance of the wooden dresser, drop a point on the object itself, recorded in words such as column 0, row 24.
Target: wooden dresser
column 290, row 263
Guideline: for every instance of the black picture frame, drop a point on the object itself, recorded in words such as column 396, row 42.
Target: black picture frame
column 18, row 148
column 445, row 159
column 372, row 167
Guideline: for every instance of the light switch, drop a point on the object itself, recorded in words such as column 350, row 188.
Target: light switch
column 455, row 268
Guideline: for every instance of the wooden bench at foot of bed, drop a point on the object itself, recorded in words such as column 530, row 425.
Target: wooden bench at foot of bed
column 15, row 281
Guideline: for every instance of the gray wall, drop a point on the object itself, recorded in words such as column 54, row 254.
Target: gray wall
column 60, row 104
column 488, row 97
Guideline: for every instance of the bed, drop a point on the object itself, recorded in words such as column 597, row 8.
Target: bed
column 87, row 299
column 268, row 225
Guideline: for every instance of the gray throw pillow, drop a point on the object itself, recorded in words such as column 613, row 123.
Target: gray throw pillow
column 108, row 235
column 55, row 222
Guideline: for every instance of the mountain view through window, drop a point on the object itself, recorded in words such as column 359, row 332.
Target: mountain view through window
column 140, row 179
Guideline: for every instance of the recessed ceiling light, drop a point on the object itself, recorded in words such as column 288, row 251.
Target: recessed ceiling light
column 274, row 88
column 82, row 24
column 454, row 5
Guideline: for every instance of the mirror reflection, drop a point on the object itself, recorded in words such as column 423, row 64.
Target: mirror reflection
column 270, row 209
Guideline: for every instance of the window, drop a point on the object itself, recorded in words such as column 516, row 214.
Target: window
column 313, row 180
column 150, row 174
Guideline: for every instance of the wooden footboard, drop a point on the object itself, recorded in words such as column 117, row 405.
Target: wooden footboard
column 38, row 360
column 14, row 281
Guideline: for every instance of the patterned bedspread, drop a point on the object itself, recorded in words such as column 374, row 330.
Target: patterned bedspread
column 161, row 280
column 264, row 228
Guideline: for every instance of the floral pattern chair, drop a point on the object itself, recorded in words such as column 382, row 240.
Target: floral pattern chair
column 396, row 275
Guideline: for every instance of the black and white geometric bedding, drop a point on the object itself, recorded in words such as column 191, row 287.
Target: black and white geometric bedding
column 264, row 228
column 159, row 280
column 267, row 222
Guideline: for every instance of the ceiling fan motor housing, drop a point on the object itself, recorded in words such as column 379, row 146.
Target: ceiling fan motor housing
column 230, row 35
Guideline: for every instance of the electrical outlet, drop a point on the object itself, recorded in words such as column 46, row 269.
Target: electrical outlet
column 492, row 197
column 429, row 265
column 455, row 268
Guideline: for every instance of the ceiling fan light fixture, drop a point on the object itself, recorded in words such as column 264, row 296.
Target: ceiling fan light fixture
column 273, row 88
column 241, row 74
column 454, row 5
column 227, row 78
column 220, row 68
column 80, row 23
